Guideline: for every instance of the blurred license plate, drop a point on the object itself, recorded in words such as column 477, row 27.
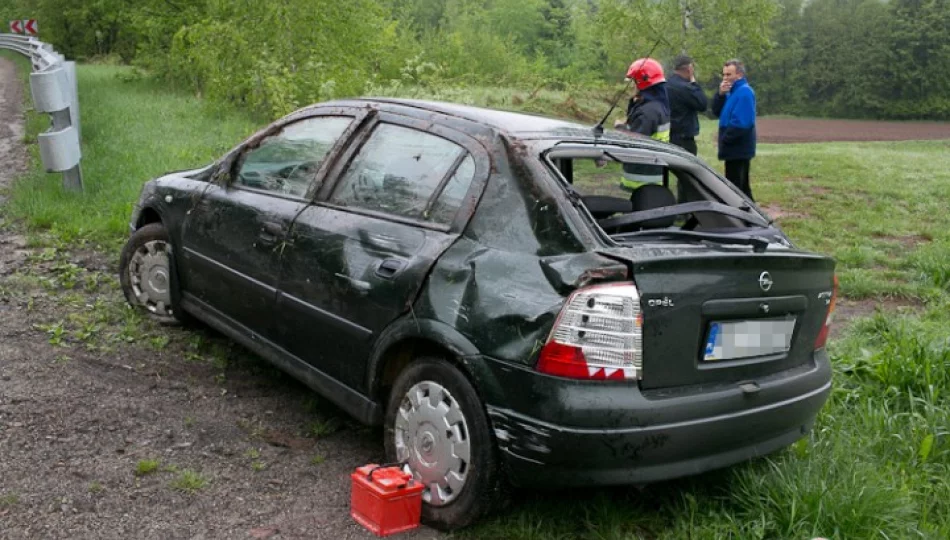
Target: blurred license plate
column 746, row 339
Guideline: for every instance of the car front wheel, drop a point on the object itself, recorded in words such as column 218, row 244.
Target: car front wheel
column 145, row 272
column 435, row 422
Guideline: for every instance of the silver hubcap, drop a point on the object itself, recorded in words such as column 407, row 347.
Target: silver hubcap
column 149, row 277
column 432, row 436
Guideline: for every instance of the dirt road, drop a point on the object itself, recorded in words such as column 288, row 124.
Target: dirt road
column 792, row 130
column 112, row 427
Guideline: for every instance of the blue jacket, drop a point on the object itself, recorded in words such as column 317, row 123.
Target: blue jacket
column 736, row 112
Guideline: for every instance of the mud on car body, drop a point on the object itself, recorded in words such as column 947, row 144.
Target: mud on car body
column 474, row 281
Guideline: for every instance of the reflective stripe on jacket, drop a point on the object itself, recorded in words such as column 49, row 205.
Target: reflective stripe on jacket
column 648, row 118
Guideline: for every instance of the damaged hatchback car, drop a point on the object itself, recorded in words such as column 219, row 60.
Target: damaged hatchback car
column 517, row 300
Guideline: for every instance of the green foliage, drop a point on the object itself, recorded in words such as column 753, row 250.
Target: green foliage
column 859, row 58
column 711, row 30
column 846, row 58
column 273, row 57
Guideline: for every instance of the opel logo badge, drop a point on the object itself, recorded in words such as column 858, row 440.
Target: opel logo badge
column 765, row 281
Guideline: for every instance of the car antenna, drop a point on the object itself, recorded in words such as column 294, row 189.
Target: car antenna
column 599, row 128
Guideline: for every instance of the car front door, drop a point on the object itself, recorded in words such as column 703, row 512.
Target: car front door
column 233, row 237
column 358, row 258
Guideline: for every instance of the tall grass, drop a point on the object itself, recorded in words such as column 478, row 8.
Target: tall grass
column 132, row 131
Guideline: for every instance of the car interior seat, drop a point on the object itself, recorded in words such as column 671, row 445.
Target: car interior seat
column 650, row 197
column 604, row 206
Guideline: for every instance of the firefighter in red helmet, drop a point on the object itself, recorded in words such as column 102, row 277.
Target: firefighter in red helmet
column 648, row 113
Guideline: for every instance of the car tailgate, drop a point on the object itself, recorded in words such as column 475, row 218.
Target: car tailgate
column 713, row 315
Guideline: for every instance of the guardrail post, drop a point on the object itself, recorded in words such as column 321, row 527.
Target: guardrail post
column 54, row 88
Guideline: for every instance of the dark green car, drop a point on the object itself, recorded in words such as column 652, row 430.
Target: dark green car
column 477, row 282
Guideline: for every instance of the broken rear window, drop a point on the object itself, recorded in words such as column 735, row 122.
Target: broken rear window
column 646, row 193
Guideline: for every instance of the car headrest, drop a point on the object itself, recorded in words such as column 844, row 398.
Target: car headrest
column 649, row 197
column 603, row 206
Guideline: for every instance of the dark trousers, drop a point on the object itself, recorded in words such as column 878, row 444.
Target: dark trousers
column 686, row 143
column 737, row 171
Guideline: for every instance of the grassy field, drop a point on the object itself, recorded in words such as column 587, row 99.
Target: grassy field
column 132, row 131
column 877, row 463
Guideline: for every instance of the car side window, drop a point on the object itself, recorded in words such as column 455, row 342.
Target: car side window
column 286, row 162
column 450, row 200
column 399, row 169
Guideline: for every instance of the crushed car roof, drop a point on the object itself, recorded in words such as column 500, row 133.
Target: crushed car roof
column 521, row 125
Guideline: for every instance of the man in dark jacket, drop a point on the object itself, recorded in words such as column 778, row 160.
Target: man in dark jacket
column 735, row 107
column 686, row 100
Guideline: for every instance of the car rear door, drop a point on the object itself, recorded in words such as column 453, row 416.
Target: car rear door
column 233, row 236
column 358, row 257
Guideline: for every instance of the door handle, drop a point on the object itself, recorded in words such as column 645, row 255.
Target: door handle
column 388, row 268
column 270, row 232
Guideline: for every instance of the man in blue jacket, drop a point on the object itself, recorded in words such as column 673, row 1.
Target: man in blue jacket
column 735, row 107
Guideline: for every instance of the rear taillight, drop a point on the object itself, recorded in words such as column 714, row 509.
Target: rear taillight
column 598, row 335
column 825, row 328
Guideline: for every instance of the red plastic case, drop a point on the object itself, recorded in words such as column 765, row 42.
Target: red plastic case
column 385, row 500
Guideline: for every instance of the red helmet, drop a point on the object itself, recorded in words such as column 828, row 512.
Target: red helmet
column 646, row 72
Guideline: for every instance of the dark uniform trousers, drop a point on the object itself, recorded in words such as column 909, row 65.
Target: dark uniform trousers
column 737, row 171
column 686, row 143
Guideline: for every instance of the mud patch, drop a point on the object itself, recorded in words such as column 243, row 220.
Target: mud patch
column 910, row 241
column 778, row 213
column 847, row 310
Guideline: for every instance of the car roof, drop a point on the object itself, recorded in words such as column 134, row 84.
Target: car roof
column 518, row 125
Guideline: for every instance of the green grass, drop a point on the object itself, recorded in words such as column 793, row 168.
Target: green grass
column 146, row 467
column 189, row 481
column 323, row 427
column 878, row 462
column 132, row 130
column 877, row 207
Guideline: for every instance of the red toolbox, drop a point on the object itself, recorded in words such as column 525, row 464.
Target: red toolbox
column 385, row 499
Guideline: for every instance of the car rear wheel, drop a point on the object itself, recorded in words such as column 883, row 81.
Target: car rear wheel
column 435, row 422
column 145, row 273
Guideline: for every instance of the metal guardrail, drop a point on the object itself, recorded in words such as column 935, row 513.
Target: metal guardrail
column 54, row 90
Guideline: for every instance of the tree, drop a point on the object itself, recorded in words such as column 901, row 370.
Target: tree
column 717, row 29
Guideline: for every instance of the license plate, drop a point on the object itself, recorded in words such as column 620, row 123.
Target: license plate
column 746, row 339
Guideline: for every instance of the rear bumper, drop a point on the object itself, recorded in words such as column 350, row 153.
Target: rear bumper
column 714, row 429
